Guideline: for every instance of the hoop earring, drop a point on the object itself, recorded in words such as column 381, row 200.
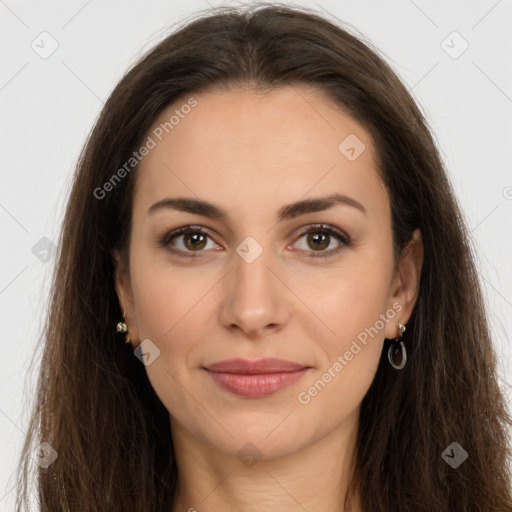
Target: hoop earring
column 398, row 344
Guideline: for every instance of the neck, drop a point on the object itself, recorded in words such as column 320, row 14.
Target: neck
column 314, row 478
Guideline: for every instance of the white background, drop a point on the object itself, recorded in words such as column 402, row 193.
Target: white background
column 49, row 105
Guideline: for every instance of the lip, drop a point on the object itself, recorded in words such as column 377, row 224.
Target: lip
column 260, row 366
column 254, row 379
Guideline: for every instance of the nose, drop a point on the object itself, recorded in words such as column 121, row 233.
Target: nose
column 256, row 299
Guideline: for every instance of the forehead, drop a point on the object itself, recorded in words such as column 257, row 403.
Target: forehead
column 239, row 147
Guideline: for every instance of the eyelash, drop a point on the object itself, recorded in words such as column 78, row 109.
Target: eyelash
column 317, row 228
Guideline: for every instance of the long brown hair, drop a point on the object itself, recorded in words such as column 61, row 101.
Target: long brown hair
column 95, row 405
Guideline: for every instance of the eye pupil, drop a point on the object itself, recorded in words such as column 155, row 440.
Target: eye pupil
column 319, row 239
column 196, row 239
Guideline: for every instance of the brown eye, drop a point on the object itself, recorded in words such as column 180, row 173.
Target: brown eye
column 319, row 238
column 318, row 241
column 188, row 241
column 194, row 241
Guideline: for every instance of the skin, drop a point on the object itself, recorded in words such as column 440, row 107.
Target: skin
column 251, row 153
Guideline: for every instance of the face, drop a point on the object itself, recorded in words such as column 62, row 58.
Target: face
column 254, row 278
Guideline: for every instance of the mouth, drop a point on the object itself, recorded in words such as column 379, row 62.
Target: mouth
column 254, row 379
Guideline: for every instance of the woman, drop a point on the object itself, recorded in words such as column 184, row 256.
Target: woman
column 261, row 214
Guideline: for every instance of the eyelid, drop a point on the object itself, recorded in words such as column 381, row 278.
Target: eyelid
column 324, row 227
column 329, row 229
column 166, row 239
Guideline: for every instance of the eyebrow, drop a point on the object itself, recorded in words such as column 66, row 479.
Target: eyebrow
column 289, row 211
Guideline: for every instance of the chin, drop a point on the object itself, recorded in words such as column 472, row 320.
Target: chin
column 262, row 436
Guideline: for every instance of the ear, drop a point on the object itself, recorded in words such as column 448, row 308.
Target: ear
column 124, row 292
column 406, row 283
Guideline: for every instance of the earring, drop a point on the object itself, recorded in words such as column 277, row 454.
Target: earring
column 122, row 327
column 398, row 344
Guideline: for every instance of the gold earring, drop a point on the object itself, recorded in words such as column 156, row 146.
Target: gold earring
column 122, row 327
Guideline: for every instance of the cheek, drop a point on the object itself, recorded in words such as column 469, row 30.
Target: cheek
column 356, row 314
column 175, row 308
column 349, row 298
column 171, row 314
column 165, row 296
column 352, row 304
